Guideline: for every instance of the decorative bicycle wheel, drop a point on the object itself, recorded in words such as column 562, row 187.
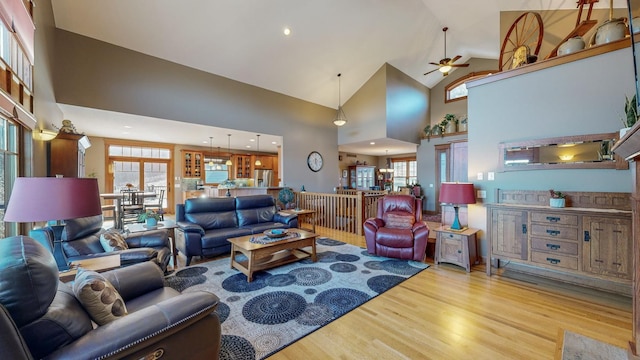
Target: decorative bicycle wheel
column 522, row 42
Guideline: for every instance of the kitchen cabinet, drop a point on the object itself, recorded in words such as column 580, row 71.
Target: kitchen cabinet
column 361, row 177
column 192, row 164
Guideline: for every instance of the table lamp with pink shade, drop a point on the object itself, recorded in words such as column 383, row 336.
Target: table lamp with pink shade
column 456, row 194
column 36, row 199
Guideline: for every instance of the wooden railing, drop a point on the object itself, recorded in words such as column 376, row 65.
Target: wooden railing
column 345, row 211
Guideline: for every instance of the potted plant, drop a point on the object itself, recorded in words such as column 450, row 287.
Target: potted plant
column 449, row 123
column 557, row 199
column 416, row 189
column 462, row 124
column 151, row 217
column 631, row 114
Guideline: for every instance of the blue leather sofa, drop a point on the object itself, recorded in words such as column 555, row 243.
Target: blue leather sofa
column 205, row 224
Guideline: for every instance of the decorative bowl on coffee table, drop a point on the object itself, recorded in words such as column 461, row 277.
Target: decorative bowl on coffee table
column 276, row 233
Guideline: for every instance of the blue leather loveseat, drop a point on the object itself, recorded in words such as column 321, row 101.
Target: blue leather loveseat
column 205, row 224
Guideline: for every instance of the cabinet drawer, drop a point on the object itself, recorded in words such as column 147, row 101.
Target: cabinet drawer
column 553, row 246
column 551, row 218
column 557, row 232
column 557, row 260
column 449, row 236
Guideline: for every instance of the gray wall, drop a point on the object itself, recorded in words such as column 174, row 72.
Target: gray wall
column 576, row 98
column 407, row 106
column 96, row 74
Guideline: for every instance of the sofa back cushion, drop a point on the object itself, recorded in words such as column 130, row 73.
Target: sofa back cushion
column 89, row 244
column 81, row 227
column 211, row 213
column 255, row 209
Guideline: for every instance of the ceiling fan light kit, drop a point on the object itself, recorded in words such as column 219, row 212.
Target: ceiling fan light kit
column 445, row 65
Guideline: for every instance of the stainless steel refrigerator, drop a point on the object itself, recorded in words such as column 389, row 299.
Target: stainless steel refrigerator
column 263, row 177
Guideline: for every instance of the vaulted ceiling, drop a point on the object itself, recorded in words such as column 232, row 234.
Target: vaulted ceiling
column 243, row 39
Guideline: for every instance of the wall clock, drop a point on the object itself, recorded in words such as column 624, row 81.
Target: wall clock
column 314, row 161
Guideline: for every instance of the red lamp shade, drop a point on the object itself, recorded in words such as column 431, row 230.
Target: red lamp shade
column 48, row 198
column 457, row 193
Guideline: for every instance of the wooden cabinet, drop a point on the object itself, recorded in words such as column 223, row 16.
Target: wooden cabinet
column 192, row 164
column 361, row 177
column 508, row 232
column 607, row 247
column 66, row 155
column 243, row 166
column 589, row 243
column 456, row 247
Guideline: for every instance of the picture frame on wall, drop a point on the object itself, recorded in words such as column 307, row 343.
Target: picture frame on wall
column 344, row 174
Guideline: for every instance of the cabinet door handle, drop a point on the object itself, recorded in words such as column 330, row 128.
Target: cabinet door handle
column 599, row 261
column 553, row 218
column 553, row 246
column 524, row 228
column 553, row 261
column 587, row 236
column 459, row 251
column 618, row 264
column 553, row 232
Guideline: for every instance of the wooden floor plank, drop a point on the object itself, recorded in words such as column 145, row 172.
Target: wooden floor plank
column 447, row 313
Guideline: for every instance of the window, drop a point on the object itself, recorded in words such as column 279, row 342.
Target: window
column 215, row 174
column 405, row 172
column 457, row 90
column 15, row 146
column 14, row 57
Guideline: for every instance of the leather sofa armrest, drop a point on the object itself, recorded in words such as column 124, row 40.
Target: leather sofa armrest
column 376, row 223
column 150, row 238
column 137, row 330
column 284, row 218
column 418, row 225
column 136, row 280
column 187, row 226
column 12, row 345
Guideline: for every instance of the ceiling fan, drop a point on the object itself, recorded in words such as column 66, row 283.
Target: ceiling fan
column 445, row 65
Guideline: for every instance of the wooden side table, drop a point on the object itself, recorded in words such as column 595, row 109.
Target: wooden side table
column 456, row 247
column 98, row 264
column 308, row 215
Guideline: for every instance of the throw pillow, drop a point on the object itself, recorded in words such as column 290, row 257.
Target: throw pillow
column 397, row 221
column 98, row 297
column 112, row 240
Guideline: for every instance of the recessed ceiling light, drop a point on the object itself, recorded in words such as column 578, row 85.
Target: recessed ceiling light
column 287, row 31
column 274, row 143
column 205, row 142
column 248, row 146
column 127, row 127
column 252, row 140
column 372, row 143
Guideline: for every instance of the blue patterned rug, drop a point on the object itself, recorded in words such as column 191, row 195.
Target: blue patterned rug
column 282, row 305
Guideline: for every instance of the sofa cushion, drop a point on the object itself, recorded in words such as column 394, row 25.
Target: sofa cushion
column 98, row 297
column 211, row 213
column 81, row 227
column 113, row 241
column 255, row 215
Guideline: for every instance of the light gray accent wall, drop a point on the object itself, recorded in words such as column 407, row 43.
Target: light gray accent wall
column 581, row 97
column 96, row 74
column 45, row 108
column 407, row 106
column 366, row 111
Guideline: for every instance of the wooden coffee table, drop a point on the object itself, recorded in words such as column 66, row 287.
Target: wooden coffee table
column 268, row 256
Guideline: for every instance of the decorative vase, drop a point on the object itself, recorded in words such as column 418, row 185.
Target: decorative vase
column 610, row 30
column 462, row 127
column 152, row 222
column 451, row 127
column 570, row 46
column 556, row 203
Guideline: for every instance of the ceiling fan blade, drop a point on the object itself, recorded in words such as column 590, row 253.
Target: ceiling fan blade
column 436, row 64
column 459, row 65
column 455, row 59
column 429, row 72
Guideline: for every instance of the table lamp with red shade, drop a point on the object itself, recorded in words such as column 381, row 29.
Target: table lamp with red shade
column 36, row 199
column 456, row 194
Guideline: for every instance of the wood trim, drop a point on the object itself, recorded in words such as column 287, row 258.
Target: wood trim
column 555, row 61
column 461, row 80
column 575, row 199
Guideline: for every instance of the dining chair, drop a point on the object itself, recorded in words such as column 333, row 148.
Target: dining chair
column 132, row 207
column 156, row 204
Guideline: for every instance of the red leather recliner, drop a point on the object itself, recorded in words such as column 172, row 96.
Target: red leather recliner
column 397, row 231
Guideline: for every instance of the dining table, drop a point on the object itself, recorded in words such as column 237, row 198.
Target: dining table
column 118, row 203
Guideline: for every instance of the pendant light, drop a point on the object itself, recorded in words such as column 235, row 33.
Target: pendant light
column 340, row 119
column 258, row 162
column 218, row 166
column 211, row 164
column 229, row 162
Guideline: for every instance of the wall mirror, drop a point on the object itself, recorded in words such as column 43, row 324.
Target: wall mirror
column 568, row 152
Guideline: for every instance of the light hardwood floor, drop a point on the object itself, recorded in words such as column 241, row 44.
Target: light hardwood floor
column 446, row 313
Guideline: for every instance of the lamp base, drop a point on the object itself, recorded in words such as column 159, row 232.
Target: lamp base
column 58, row 253
column 456, row 222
